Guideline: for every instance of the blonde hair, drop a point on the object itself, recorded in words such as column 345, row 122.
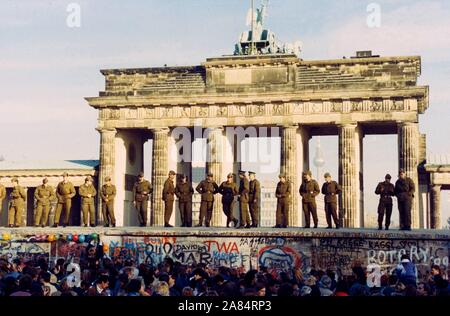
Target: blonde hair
column 162, row 288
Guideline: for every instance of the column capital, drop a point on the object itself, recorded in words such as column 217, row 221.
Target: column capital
column 406, row 123
column 289, row 126
column 436, row 187
column 347, row 125
column 160, row 130
column 106, row 130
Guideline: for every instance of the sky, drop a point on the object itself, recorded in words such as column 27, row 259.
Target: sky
column 47, row 67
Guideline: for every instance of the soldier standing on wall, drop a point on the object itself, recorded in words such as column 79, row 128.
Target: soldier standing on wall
column 229, row 190
column 17, row 204
column 331, row 189
column 254, row 198
column 309, row 189
column 88, row 192
column 283, row 194
column 404, row 190
column 244, row 188
column 141, row 192
column 108, row 194
column 184, row 192
column 207, row 188
column 44, row 195
column 168, row 196
column 65, row 191
column 386, row 191
column 2, row 196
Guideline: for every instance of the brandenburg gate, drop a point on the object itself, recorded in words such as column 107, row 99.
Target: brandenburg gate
column 350, row 98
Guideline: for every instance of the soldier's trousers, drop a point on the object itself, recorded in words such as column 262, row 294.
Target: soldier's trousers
column 384, row 208
column 244, row 214
column 15, row 214
column 168, row 209
column 282, row 214
column 331, row 213
column 141, row 208
column 206, row 209
column 228, row 207
column 404, row 209
column 108, row 213
column 254, row 213
column 310, row 209
column 185, row 213
column 67, row 205
column 41, row 214
column 88, row 210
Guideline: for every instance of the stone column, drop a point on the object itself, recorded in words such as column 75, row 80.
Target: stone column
column 289, row 168
column 214, row 161
column 348, row 175
column 435, row 210
column 408, row 145
column 107, row 164
column 159, row 174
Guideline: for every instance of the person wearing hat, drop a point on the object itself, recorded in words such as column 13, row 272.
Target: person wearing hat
column 207, row 188
column 142, row 190
column 17, row 204
column 309, row 189
column 244, row 188
column 228, row 189
column 2, row 196
column 168, row 196
column 404, row 191
column 108, row 193
column 254, row 197
column 44, row 195
column 88, row 192
column 184, row 192
column 385, row 190
column 283, row 194
column 65, row 191
column 331, row 189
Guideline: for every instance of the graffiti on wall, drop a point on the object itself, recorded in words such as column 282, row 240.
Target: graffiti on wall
column 24, row 249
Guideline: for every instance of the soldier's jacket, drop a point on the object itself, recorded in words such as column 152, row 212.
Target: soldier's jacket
column 331, row 191
column 254, row 194
column 108, row 192
column 184, row 192
column 65, row 191
column 168, row 193
column 85, row 190
column 142, row 190
column 404, row 189
column 386, row 191
column 207, row 190
column 309, row 190
column 244, row 188
column 44, row 194
column 2, row 192
column 283, row 191
column 228, row 191
column 17, row 196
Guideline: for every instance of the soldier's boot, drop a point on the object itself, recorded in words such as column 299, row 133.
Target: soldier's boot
column 387, row 227
column 380, row 226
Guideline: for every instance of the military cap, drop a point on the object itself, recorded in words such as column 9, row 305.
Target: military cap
column 281, row 175
column 171, row 172
column 230, row 175
column 242, row 172
column 388, row 176
column 88, row 178
column 140, row 175
column 327, row 175
column 210, row 175
column 14, row 180
column 108, row 179
column 251, row 172
column 65, row 174
column 402, row 171
column 45, row 180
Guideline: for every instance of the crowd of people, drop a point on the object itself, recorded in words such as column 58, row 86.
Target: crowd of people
column 99, row 275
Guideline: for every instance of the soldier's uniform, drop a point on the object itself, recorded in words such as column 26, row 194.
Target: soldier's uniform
column 283, row 194
column 228, row 191
column 184, row 192
column 18, row 197
column 254, row 196
column 87, row 193
column 308, row 191
column 244, row 188
column 65, row 191
column 207, row 189
column 141, row 193
column 108, row 193
column 2, row 197
column 168, row 196
column 44, row 195
column 331, row 190
column 404, row 191
column 386, row 191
